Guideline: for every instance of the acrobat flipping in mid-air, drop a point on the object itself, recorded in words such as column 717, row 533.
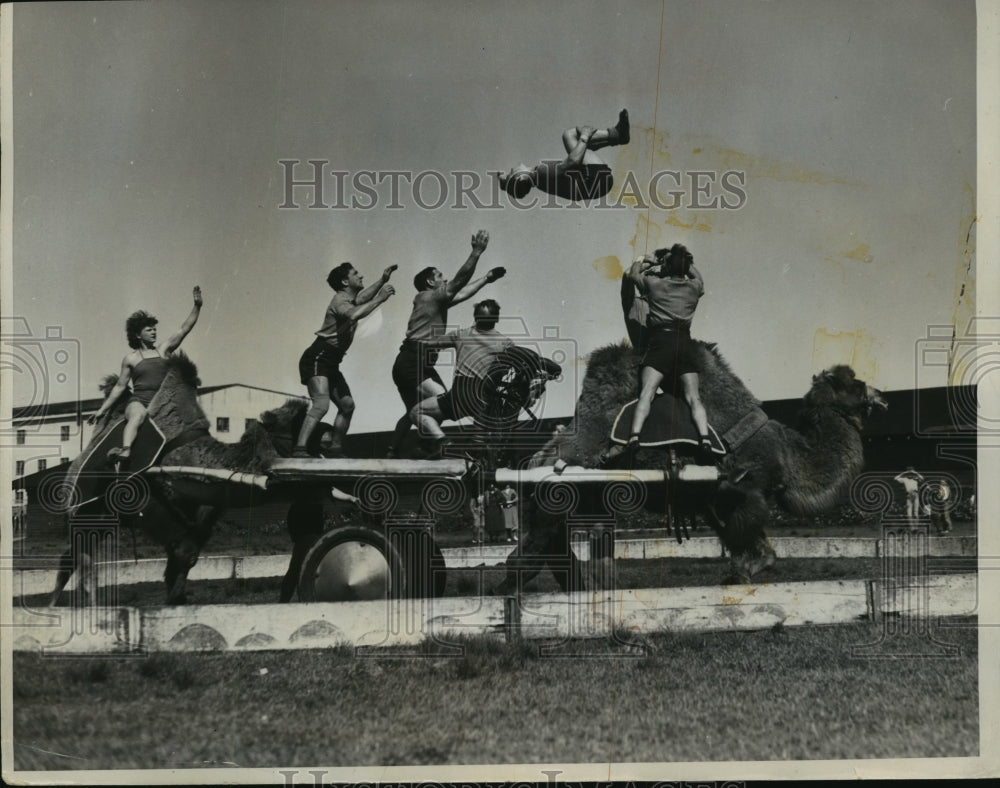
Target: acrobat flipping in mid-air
column 582, row 175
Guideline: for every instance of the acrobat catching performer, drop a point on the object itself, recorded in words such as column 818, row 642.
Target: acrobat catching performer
column 582, row 175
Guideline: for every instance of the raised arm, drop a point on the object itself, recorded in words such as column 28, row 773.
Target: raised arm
column 174, row 342
column 475, row 286
column 461, row 279
column 368, row 293
column 639, row 267
column 695, row 274
column 115, row 392
column 355, row 313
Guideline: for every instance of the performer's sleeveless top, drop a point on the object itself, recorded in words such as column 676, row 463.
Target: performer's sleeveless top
column 147, row 376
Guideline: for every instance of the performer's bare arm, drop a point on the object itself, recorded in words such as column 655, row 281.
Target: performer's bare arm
column 441, row 340
column 639, row 266
column 475, row 286
column 115, row 393
column 369, row 292
column 461, row 279
column 359, row 311
column 174, row 342
column 695, row 274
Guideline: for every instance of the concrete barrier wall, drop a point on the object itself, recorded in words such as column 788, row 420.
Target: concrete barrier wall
column 376, row 624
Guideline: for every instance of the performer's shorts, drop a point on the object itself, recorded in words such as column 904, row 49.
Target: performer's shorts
column 671, row 352
column 463, row 399
column 322, row 360
column 144, row 396
column 411, row 368
column 590, row 181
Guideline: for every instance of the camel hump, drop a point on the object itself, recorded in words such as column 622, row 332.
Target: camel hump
column 175, row 406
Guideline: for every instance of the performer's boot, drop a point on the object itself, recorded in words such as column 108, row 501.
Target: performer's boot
column 620, row 133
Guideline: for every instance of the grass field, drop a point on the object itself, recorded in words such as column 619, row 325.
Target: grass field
column 782, row 694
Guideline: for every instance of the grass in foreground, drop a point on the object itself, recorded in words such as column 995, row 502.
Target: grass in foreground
column 775, row 695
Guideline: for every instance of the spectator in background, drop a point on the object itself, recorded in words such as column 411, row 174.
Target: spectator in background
column 508, row 504
column 911, row 481
column 939, row 509
column 477, row 505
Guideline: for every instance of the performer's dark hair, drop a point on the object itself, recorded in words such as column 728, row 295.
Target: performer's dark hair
column 135, row 323
column 487, row 311
column 677, row 260
column 518, row 186
column 337, row 278
column 422, row 280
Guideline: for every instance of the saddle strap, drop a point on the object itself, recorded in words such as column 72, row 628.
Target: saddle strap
column 745, row 428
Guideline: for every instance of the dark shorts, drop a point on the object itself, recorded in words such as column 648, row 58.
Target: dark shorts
column 671, row 353
column 463, row 399
column 590, row 181
column 321, row 360
column 145, row 396
column 411, row 368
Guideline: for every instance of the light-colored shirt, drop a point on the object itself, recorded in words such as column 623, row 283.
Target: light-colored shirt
column 430, row 313
column 338, row 326
column 670, row 301
column 475, row 350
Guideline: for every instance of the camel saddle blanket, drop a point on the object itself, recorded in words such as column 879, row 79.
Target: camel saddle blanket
column 95, row 471
column 669, row 423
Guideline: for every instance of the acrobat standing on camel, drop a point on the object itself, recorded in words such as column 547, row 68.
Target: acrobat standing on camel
column 582, row 175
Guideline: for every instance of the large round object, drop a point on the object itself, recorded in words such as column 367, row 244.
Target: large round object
column 350, row 564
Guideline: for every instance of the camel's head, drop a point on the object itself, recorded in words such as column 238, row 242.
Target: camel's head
column 838, row 388
column 282, row 424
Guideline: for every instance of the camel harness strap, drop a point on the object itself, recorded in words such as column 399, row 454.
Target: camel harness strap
column 745, row 428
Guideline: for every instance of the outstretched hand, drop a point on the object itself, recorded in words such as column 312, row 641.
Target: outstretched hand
column 496, row 273
column 197, row 296
column 387, row 291
column 480, row 240
column 389, row 271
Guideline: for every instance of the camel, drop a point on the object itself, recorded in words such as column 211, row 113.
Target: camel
column 179, row 513
column 804, row 470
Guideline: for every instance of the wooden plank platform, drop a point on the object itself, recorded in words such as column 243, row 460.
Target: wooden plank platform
column 380, row 623
column 319, row 470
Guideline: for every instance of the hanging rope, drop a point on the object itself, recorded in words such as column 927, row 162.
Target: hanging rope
column 656, row 110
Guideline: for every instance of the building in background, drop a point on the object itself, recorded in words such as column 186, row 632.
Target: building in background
column 42, row 437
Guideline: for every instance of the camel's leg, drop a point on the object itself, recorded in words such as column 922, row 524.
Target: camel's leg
column 305, row 525
column 601, row 566
column 88, row 580
column 82, row 564
column 546, row 544
column 67, row 566
column 175, row 575
column 183, row 554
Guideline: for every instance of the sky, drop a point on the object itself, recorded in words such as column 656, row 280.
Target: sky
column 147, row 140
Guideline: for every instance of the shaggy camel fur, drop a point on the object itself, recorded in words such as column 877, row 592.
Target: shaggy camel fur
column 805, row 470
column 180, row 513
